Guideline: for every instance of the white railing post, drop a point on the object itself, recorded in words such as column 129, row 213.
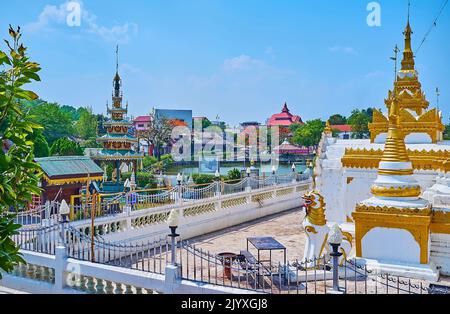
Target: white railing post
column 172, row 278
column 60, row 268
column 180, row 193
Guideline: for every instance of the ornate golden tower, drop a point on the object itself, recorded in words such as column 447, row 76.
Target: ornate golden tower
column 395, row 203
column 414, row 117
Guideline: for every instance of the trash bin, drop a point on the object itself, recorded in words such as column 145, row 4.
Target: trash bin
column 227, row 262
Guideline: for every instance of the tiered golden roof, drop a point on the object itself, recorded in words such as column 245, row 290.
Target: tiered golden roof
column 412, row 101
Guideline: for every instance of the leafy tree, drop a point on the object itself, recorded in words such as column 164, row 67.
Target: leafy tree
column 308, row 134
column 149, row 161
column 41, row 148
column 447, row 132
column 337, row 119
column 206, row 124
column 71, row 111
column 359, row 120
column 56, row 123
column 86, row 126
column 19, row 175
column 159, row 132
column 66, row 147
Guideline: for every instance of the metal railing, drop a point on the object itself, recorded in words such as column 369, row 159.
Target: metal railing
column 113, row 204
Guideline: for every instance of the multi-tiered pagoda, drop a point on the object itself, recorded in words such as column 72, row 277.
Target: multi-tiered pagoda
column 118, row 143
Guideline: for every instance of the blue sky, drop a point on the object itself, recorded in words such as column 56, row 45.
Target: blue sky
column 239, row 59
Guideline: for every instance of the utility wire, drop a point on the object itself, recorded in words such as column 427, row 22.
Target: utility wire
column 444, row 4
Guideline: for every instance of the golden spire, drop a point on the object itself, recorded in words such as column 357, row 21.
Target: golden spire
column 328, row 130
column 408, row 55
column 395, row 148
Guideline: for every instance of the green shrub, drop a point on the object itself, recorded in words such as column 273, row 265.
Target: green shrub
column 203, row 178
column 149, row 161
column 144, row 179
column 233, row 175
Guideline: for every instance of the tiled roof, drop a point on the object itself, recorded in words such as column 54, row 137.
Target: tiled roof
column 342, row 127
column 285, row 118
column 143, row 119
column 69, row 166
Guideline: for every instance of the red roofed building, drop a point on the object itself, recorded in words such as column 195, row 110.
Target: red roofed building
column 344, row 130
column 142, row 123
column 284, row 119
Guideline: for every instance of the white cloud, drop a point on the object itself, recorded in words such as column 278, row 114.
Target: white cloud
column 242, row 63
column 374, row 74
column 345, row 50
column 54, row 16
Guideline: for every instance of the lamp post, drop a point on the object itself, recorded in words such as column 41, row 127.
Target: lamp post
column 274, row 171
column 173, row 222
column 248, row 172
column 217, row 179
column 335, row 240
column 64, row 211
column 294, row 174
column 179, row 181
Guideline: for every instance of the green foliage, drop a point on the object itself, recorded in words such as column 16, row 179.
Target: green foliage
column 144, row 179
column 72, row 112
column 337, row 119
column 56, row 123
column 206, row 124
column 233, row 174
column 86, row 126
column 66, row 147
column 149, row 161
column 447, row 132
column 203, row 178
column 41, row 148
column 9, row 252
column 308, row 134
column 359, row 120
column 167, row 160
column 91, row 143
column 19, row 175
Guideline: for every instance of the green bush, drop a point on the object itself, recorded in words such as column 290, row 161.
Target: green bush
column 233, row 175
column 144, row 179
column 149, row 161
column 203, row 178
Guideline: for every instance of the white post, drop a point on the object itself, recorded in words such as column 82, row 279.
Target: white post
column 60, row 268
column 172, row 278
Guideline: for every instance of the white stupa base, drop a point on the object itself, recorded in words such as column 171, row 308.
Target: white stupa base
column 426, row 272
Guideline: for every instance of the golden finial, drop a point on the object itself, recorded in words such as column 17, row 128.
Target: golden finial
column 328, row 130
column 408, row 55
column 395, row 148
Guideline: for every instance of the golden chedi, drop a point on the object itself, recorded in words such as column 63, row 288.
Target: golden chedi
column 418, row 124
column 394, row 225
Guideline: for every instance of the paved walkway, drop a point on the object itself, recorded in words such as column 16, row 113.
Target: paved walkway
column 4, row 290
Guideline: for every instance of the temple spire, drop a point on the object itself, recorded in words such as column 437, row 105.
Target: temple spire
column 117, row 80
column 117, row 59
column 408, row 55
column 395, row 148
